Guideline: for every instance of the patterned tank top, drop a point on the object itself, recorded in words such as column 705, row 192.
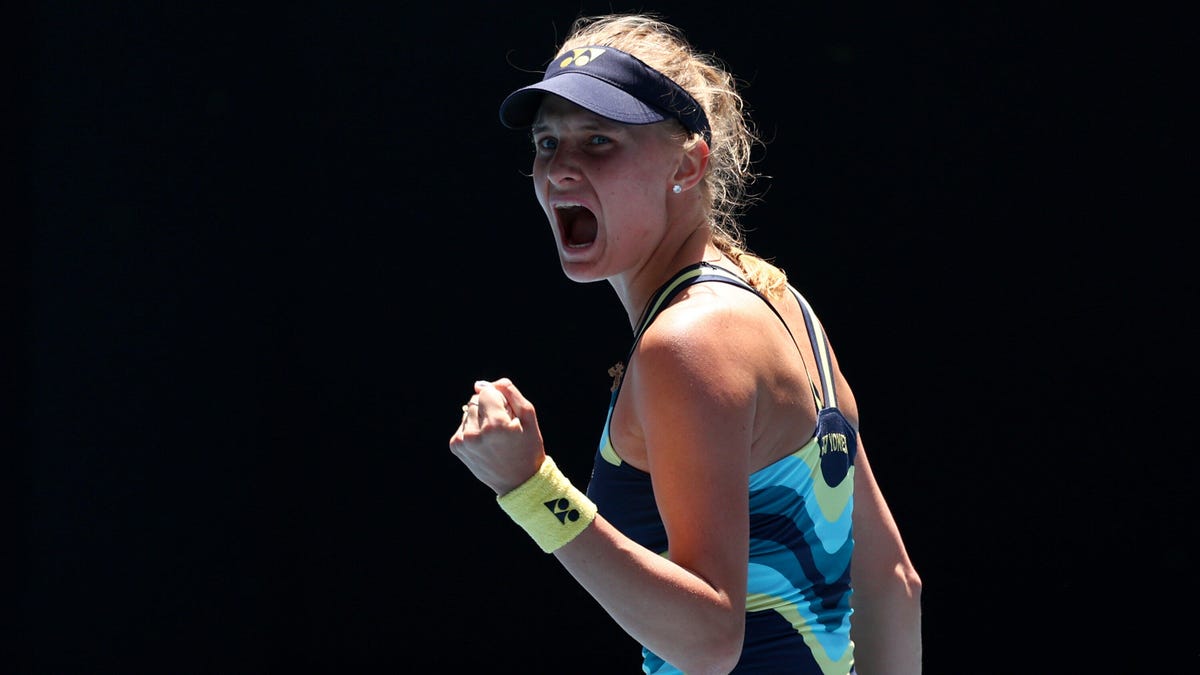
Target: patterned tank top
column 798, row 587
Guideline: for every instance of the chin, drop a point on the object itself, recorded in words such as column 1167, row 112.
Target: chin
column 581, row 272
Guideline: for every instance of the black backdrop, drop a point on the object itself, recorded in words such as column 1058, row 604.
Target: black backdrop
column 272, row 246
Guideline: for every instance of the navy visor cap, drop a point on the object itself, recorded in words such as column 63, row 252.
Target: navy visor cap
column 612, row 84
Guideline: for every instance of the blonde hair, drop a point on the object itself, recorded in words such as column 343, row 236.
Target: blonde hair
column 727, row 179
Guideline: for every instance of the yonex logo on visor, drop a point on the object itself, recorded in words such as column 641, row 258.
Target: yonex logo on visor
column 612, row 84
column 581, row 57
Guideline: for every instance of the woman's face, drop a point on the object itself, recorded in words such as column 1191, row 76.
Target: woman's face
column 603, row 186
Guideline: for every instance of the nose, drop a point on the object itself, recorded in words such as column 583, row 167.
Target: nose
column 562, row 167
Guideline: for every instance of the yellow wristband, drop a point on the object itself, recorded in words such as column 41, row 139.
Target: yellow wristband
column 550, row 509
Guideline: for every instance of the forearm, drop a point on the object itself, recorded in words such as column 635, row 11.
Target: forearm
column 886, row 627
column 683, row 615
column 673, row 612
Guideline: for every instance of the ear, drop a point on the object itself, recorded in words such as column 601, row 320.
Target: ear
column 692, row 164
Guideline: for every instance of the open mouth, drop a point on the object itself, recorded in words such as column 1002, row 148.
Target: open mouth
column 577, row 224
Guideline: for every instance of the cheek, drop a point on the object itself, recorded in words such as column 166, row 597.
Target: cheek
column 636, row 192
column 634, row 212
column 646, row 180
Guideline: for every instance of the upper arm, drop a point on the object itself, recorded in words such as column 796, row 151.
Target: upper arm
column 879, row 552
column 694, row 402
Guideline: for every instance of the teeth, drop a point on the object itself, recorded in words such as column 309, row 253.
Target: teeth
column 566, row 205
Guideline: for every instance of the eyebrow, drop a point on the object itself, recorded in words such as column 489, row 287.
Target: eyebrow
column 592, row 124
column 589, row 126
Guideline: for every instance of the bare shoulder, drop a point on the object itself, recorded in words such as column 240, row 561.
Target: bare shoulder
column 715, row 339
column 711, row 330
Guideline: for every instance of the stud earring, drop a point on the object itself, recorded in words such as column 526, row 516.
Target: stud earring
column 677, row 189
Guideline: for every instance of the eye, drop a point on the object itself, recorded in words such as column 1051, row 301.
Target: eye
column 599, row 140
column 545, row 143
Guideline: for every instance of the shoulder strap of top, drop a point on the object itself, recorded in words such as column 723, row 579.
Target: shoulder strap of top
column 663, row 296
column 820, row 344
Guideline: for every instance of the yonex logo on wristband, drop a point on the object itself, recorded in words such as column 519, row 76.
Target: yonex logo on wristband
column 561, row 508
column 550, row 488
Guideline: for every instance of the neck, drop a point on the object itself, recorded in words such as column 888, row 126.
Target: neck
column 634, row 290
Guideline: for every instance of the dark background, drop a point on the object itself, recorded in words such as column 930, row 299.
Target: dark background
column 270, row 247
